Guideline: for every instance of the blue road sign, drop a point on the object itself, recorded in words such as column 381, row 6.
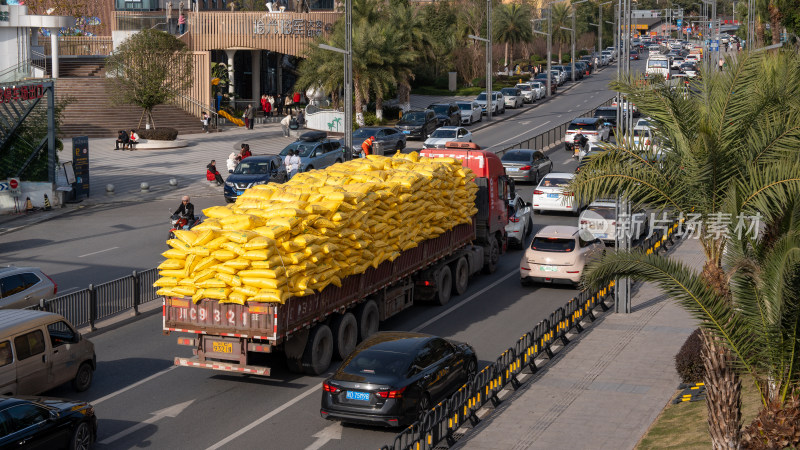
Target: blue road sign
column 680, row 22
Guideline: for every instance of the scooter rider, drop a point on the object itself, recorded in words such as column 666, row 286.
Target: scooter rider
column 186, row 212
column 578, row 144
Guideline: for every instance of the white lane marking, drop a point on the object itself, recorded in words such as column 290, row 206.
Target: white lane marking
column 333, row 431
column 567, row 161
column 99, row 251
column 131, row 386
column 264, row 418
column 569, row 110
column 471, row 298
column 524, row 132
column 172, row 411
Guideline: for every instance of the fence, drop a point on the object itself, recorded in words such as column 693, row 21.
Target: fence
column 87, row 306
column 82, row 46
column 440, row 422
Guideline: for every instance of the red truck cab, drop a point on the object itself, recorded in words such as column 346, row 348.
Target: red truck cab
column 491, row 199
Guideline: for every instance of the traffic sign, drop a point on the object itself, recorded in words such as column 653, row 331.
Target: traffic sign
column 13, row 184
column 680, row 23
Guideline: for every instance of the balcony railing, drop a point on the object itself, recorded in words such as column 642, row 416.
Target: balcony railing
column 82, row 46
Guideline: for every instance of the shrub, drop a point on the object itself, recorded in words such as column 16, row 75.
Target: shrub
column 480, row 82
column 158, row 134
column 688, row 361
column 776, row 426
column 391, row 112
column 370, row 119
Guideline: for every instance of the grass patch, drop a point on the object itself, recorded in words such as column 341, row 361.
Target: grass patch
column 685, row 425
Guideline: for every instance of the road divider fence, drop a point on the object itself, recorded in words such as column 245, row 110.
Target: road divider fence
column 441, row 422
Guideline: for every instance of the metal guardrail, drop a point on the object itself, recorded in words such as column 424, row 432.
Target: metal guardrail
column 440, row 422
column 87, row 306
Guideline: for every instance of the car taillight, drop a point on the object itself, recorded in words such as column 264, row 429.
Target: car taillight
column 513, row 219
column 573, row 271
column 55, row 285
column 537, row 192
column 524, row 268
column 525, row 168
column 584, row 222
column 567, row 194
column 613, row 223
column 329, row 388
column 398, row 393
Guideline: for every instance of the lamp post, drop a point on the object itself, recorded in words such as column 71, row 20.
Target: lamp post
column 489, row 94
column 600, row 26
column 548, row 34
column 572, row 56
column 348, row 98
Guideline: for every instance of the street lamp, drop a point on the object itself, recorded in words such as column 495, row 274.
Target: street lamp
column 573, row 35
column 549, row 35
column 600, row 26
column 489, row 93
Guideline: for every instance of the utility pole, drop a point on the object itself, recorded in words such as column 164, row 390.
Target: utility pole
column 622, row 302
column 548, row 49
column 489, row 72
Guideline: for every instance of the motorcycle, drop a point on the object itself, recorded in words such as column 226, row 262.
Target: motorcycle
column 578, row 143
column 177, row 222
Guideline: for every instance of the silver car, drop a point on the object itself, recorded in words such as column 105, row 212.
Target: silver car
column 21, row 287
column 528, row 94
column 512, row 97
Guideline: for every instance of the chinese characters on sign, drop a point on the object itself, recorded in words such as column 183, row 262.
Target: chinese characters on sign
column 715, row 226
column 21, row 93
column 290, row 27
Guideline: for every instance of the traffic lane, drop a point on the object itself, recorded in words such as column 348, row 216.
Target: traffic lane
column 97, row 244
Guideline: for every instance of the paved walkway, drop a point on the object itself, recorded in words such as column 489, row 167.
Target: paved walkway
column 605, row 389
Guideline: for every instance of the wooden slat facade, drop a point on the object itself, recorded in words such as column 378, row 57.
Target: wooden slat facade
column 285, row 33
column 200, row 92
column 82, row 45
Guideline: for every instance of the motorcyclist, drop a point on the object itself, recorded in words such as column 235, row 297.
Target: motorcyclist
column 186, row 212
column 579, row 143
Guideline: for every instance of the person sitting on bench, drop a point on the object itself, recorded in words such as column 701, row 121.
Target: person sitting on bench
column 122, row 138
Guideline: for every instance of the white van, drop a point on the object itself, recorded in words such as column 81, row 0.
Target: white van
column 658, row 65
column 41, row 350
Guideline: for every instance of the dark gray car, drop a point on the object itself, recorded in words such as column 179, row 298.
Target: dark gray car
column 448, row 114
column 389, row 139
column 526, row 165
column 418, row 123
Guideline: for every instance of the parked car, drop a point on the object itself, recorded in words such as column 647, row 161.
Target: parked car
column 583, row 68
column 447, row 114
column 558, row 255
column 539, row 87
column 600, row 218
column 39, row 351
column 497, row 102
column 520, row 223
column 526, row 165
column 589, row 61
column 550, row 195
column 393, row 378
column 542, row 78
column 528, row 94
column 315, row 151
column 389, row 139
column 443, row 135
column 46, row 423
column 21, row 287
column 470, row 112
column 512, row 97
column 418, row 123
column 256, row 170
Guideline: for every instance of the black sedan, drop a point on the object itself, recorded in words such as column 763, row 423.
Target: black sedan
column 392, row 378
column 447, row 114
column 389, row 139
column 40, row 422
column 526, row 165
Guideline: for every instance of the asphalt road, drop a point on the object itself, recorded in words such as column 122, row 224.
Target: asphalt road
column 142, row 400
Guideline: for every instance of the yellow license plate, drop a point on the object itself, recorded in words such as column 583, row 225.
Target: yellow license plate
column 222, row 347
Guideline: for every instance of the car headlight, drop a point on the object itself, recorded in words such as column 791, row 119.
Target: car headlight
column 256, row 183
column 229, row 183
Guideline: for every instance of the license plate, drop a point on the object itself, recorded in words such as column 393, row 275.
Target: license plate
column 239, row 192
column 512, row 169
column 222, row 347
column 548, row 268
column 406, row 132
column 355, row 395
column 552, row 195
column 601, row 235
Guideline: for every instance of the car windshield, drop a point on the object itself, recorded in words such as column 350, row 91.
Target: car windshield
column 439, row 109
column 377, row 362
column 304, row 149
column 583, row 126
column 643, row 123
column 464, row 106
column 508, row 91
column 413, row 117
column 440, row 133
column 524, row 87
column 516, row 157
column 543, row 244
column 252, row 168
column 363, row 133
column 606, row 212
column 658, row 63
column 481, row 96
column 555, row 182
column 641, row 132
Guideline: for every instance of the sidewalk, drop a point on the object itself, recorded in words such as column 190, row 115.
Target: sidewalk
column 606, row 387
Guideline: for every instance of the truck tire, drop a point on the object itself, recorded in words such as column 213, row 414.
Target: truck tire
column 368, row 319
column 460, row 276
column 444, row 285
column 319, row 350
column 492, row 256
column 345, row 335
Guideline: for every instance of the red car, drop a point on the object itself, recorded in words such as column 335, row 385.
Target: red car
column 634, row 55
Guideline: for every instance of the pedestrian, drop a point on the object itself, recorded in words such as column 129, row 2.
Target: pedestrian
column 285, row 124
column 206, row 120
column 212, row 174
column 721, row 63
column 289, row 163
column 264, row 104
column 279, row 104
column 245, row 117
column 296, row 100
column 133, row 139
column 233, row 160
column 295, row 162
column 182, row 24
column 271, row 101
column 122, row 138
column 251, row 116
column 301, row 119
column 245, row 151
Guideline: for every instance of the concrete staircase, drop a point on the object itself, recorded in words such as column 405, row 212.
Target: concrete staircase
column 91, row 113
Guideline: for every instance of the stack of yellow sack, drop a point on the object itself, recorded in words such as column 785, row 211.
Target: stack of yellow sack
column 284, row 240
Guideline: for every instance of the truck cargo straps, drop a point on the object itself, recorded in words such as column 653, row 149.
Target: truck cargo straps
column 194, row 362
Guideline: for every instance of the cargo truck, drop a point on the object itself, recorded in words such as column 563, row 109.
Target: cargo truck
column 310, row 331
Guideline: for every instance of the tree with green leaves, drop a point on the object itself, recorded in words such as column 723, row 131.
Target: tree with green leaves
column 511, row 24
column 148, row 69
column 729, row 151
column 562, row 17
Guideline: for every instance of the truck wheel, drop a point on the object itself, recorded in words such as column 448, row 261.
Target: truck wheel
column 444, row 286
column 461, row 276
column 368, row 319
column 492, row 256
column 319, row 350
column 345, row 333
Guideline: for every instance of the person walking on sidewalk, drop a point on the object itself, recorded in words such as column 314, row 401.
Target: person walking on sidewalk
column 212, row 174
column 251, row 115
column 244, row 117
column 294, row 163
column 285, row 124
column 206, row 120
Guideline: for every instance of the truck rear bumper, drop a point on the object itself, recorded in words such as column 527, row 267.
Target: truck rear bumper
column 221, row 366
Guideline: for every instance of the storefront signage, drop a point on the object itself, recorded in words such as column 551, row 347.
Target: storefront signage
column 21, row 93
column 290, row 27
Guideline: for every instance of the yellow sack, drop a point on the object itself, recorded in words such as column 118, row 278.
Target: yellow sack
column 199, row 277
column 200, row 251
column 216, row 243
column 234, row 247
column 208, row 224
column 313, row 250
column 241, row 236
column 284, row 222
column 259, row 255
column 288, row 212
column 217, row 212
column 216, row 293
column 191, row 263
column 242, row 222
column 223, row 255
column 212, row 283
column 172, row 273
column 272, row 262
column 272, row 231
column 222, row 268
column 186, row 236
column 166, row 282
column 205, row 263
column 178, row 244
column 259, row 242
column 247, row 291
column 238, row 263
column 263, row 273
column 267, row 283
column 198, row 295
column 294, row 258
column 172, row 264
column 230, row 280
column 271, row 296
column 204, row 237
column 166, row 292
column 174, row 253
column 235, row 297
column 184, row 291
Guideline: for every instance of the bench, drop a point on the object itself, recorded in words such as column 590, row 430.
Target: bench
column 152, row 144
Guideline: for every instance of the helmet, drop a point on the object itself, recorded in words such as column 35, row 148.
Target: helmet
column 372, row 137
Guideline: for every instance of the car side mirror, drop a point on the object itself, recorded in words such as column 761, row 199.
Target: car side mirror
column 53, row 415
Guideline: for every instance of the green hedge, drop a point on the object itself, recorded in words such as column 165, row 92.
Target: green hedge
column 158, row 134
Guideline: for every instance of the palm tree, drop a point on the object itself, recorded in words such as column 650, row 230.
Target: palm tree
column 408, row 29
column 731, row 149
column 511, row 25
column 561, row 18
